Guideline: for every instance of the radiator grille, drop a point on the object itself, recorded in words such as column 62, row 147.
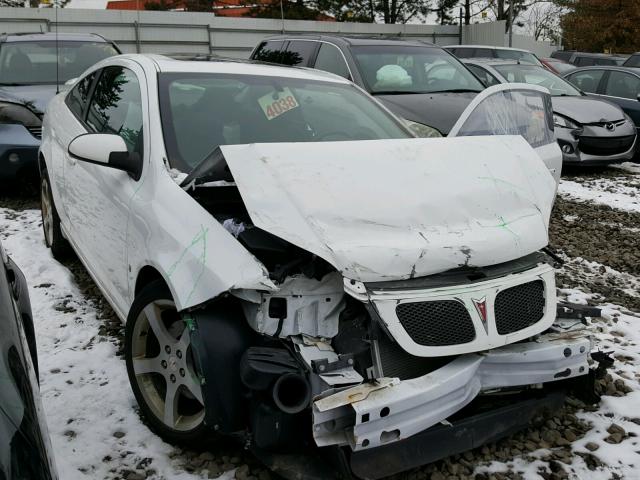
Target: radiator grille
column 519, row 307
column 605, row 145
column 436, row 324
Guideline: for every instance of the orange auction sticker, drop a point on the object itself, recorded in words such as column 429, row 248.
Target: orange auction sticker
column 275, row 104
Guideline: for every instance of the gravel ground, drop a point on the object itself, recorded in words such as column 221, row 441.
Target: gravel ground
column 599, row 246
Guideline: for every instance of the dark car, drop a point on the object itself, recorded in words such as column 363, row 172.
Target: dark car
column 589, row 131
column 24, row 441
column 31, row 73
column 633, row 61
column 620, row 85
column 584, row 59
column 418, row 81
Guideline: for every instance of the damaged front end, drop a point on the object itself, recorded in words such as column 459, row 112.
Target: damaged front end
column 414, row 313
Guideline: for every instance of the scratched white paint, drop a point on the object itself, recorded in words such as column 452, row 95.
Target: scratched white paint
column 395, row 209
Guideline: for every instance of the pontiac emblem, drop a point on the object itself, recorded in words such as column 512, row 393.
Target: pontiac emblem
column 481, row 308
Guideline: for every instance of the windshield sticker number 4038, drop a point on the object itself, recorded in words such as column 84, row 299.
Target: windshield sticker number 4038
column 275, row 104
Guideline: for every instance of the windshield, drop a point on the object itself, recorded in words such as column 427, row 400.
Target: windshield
column 31, row 63
column 398, row 69
column 534, row 75
column 526, row 57
column 201, row 111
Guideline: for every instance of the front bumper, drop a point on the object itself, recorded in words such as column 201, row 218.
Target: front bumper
column 16, row 139
column 377, row 414
column 595, row 145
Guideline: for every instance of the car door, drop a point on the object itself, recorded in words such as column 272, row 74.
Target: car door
column 98, row 197
column 514, row 109
column 623, row 88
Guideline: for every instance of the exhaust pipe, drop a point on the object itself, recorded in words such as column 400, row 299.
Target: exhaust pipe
column 291, row 393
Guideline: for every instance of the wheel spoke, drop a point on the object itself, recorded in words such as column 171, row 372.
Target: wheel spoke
column 171, row 404
column 157, row 326
column 147, row 365
column 192, row 383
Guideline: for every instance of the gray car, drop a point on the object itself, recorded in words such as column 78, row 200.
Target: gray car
column 30, row 76
column 589, row 131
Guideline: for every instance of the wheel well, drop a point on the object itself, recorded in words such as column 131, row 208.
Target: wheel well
column 147, row 275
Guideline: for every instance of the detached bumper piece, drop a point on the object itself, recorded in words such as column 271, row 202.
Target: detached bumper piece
column 389, row 410
column 444, row 440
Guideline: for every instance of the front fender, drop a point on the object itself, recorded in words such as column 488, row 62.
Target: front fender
column 197, row 257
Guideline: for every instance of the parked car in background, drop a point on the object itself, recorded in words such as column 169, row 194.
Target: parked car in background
column 619, row 85
column 632, row 61
column 25, row 451
column 213, row 204
column 488, row 51
column 585, row 59
column 419, row 82
column 31, row 72
column 589, row 131
column 557, row 66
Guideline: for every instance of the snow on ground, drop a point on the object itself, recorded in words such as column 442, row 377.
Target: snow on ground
column 606, row 191
column 91, row 411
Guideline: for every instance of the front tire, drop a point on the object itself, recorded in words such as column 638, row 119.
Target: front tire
column 53, row 237
column 161, row 368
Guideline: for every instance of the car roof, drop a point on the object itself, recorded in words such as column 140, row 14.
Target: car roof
column 235, row 66
column 355, row 40
column 491, row 47
column 51, row 36
column 495, row 62
column 620, row 68
column 598, row 55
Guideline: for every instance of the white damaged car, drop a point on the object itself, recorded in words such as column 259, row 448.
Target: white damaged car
column 296, row 271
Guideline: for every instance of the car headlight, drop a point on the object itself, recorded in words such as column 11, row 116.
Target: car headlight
column 421, row 130
column 563, row 122
column 14, row 113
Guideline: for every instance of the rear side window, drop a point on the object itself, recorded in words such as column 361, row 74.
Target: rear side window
column 330, row 59
column 79, row 96
column 464, row 52
column 587, row 81
column 269, row 51
column 633, row 61
column 585, row 62
column 298, row 53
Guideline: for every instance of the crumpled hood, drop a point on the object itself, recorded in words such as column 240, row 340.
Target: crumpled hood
column 438, row 110
column 37, row 97
column 396, row 209
column 586, row 109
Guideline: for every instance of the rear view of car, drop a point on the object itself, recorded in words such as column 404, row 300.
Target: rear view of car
column 32, row 69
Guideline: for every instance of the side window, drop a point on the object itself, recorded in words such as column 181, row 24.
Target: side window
column 330, row 59
column 116, row 107
column 587, row 81
column 298, row 53
column 622, row 84
column 464, row 52
column 483, row 53
column 585, row 62
column 78, row 96
column 269, row 51
column 485, row 77
column 633, row 61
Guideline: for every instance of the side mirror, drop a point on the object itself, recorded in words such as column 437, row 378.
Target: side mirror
column 107, row 150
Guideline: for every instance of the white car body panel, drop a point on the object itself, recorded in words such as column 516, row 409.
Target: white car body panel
column 397, row 209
